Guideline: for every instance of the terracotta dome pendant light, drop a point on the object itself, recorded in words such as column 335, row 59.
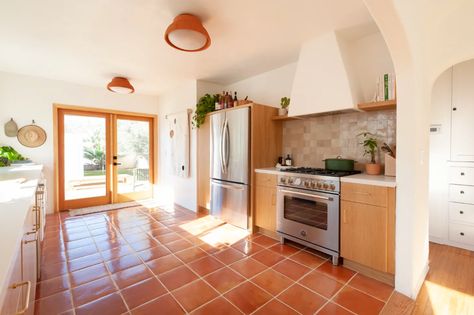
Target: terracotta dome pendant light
column 187, row 33
column 120, row 85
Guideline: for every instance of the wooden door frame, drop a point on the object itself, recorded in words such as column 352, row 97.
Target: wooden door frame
column 91, row 201
column 57, row 107
column 115, row 195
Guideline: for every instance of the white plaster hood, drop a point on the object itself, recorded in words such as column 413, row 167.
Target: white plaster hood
column 323, row 78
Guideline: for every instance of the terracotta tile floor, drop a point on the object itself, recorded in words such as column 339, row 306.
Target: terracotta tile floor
column 153, row 261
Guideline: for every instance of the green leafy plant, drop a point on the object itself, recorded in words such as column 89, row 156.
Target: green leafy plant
column 205, row 105
column 4, row 161
column 10, row 154
column 369, row 143
column 285, row 102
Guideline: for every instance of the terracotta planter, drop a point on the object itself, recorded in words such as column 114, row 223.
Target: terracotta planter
column 373, row 169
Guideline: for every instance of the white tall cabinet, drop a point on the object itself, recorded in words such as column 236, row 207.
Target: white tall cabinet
column 452, row 158
column 462, row 127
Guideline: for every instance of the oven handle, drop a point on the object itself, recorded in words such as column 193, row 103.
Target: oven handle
column 305, row 194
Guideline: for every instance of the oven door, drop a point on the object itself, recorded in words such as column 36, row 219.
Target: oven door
column 310, row 216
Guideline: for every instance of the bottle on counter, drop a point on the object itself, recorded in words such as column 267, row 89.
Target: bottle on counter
column 280, row 160
column 288, row 161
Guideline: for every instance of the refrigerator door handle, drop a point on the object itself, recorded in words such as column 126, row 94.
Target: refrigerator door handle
column 228, row 186
column 223, row 169
column 227, row 144
column 224, row 146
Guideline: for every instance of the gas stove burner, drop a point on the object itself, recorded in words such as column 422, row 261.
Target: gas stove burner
column 320, row 171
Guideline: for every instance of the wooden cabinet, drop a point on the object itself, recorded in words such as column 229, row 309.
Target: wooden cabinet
column 368, row 226
column 265, row 201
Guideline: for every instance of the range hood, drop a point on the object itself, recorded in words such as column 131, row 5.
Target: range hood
column 323, row 79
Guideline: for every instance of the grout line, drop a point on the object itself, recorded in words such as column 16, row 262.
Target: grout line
column 138, row 213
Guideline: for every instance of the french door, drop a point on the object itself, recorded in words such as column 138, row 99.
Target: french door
column 103, row 158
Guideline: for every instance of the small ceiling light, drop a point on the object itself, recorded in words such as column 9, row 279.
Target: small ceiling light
column 120, row 85
column 187, row 33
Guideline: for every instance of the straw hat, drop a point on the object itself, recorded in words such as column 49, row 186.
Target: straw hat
column 31, row 136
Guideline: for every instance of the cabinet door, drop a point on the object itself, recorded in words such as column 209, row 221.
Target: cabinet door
column 12, row 295
column 462, row 146
column 265, row 207
column 364, row 234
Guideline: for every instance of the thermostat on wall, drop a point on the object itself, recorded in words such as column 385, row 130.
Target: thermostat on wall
column 435, row 129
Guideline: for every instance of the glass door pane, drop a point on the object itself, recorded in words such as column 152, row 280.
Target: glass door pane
column 85, row 157
column 133, row 151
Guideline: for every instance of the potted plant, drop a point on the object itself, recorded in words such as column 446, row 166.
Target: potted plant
column 284, row 103
column 206, row 104
column 369, row 143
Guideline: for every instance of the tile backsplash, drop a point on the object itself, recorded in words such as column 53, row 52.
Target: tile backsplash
column 312, row 140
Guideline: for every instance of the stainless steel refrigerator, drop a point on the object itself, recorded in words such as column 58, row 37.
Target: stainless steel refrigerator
column 230, row 166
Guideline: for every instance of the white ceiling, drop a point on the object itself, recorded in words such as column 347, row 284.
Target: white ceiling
column 90, row 41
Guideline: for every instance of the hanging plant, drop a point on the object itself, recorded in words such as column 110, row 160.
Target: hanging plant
column 205, row 105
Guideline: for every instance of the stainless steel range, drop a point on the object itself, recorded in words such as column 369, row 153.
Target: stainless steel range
column 308, row 208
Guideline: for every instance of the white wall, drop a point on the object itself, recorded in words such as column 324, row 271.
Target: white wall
column 174, row 189
column 439, row 156
column 266, row 88
column 24, row 98
column 369, row 58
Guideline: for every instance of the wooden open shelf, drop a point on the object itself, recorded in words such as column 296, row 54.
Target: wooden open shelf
column 390, row 104
column 285, row 118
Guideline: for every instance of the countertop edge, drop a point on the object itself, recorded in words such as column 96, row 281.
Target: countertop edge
column 363, row 179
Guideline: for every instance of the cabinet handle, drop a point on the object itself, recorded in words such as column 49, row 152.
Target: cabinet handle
column 27, row 299
column 33, row 240
column 462, row 173
column 454, row 108
column 462, row 233
column 462, row 192
column 461, row 212
column 344, row 220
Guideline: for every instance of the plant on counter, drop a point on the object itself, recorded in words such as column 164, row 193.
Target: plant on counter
column 4, row 161
column 370, row 145
column 10, row 154
column 205, row 105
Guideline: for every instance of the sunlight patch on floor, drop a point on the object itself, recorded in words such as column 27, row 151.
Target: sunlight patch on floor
column 225, row 234
column 201, row 225
column 445, row 300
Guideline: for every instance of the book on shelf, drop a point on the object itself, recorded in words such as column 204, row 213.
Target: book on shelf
column 386, row 89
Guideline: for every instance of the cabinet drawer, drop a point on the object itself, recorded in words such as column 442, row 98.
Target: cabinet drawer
column 461, row 212
column 461, row 175
column 367, row 194
column 268, row 180
column 461, row 233
column 461, row 193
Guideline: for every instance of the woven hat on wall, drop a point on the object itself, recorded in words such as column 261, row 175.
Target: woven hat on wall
column 11, row 128
column 31, row 136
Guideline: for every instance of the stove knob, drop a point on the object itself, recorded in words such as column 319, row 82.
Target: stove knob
column 332, row 186
column 290, row 180
column 319, row 185
column 313, row 184
column 307, row 183
column 298, row 181
column 325, row 186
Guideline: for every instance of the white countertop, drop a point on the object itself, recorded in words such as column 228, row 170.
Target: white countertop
column 17, row 194
column 377, row 180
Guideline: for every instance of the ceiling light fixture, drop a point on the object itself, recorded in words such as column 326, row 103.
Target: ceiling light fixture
column 187, row 33
column 120, row 85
